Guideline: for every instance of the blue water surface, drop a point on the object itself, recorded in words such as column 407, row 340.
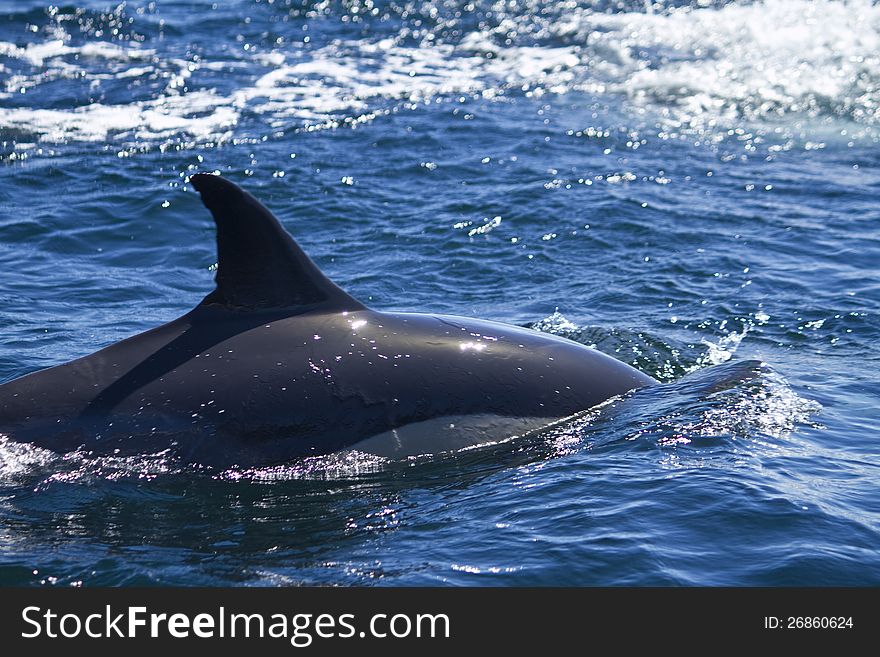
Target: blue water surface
column 690, row 187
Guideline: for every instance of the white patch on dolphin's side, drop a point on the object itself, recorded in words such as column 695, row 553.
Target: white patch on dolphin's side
column 448, row 434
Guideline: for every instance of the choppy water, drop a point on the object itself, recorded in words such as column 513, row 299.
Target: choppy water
column 691, row 187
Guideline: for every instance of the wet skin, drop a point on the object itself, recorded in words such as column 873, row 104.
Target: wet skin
column 279, row 363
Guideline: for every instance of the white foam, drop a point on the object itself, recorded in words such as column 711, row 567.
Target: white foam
column 555, row 323
column 335, row 82
column 37, row 53
column 197, row 114
column 339, row 465
column 693, row 68
column 761, row 60
column 721, row 350
column 17, row 459
column 772, row 408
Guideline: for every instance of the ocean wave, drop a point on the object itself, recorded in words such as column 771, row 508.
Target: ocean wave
column 699, row 68
column 761, row 61
column 198, row 115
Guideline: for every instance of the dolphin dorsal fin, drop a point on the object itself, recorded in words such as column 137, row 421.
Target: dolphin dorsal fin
column 259, row 265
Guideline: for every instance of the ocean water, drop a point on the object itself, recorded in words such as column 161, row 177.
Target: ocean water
column 691, row 187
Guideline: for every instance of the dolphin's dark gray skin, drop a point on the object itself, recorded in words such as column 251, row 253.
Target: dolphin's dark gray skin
column 278, row 363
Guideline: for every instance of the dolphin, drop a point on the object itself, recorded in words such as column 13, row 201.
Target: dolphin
column 279, row 363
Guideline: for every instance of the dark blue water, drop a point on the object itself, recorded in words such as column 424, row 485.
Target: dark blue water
column 692, row 188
